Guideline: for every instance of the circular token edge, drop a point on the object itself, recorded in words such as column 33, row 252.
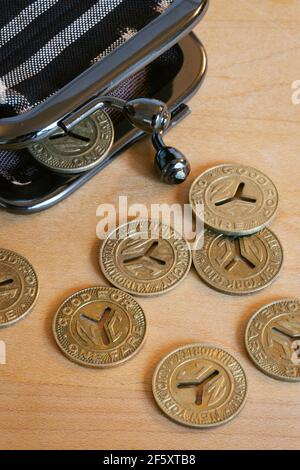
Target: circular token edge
column 258, row 366
column 137, row 294
column 97, row 366
column 235, row 233
column 249, row 292
column 78, row 171
column 191, row 425
column 22, row 317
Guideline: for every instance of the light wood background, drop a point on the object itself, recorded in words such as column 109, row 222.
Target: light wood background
column 243, row 113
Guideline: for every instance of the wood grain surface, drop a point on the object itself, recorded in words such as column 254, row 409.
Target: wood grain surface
column 243, row 113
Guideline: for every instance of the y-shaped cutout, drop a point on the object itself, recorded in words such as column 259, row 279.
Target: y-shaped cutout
column 199, row 385
column 238, row 196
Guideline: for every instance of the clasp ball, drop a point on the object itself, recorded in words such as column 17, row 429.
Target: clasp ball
column 172, row 165
column 149, row 115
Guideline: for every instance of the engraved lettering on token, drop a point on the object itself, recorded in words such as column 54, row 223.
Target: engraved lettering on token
column 150, row 259
column 18, row 287
column 200, row 386
column 239, row 266
column 237, row 200
column 86, row 145
column 272, row 339
column 100, row 327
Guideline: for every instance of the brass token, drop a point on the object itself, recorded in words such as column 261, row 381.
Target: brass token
column 19, row 287
column 85, row 146
column 99, row 327
column 239, row 266
column 273, row 339
column 237, row 200
column 145, row 258
column 200, row 386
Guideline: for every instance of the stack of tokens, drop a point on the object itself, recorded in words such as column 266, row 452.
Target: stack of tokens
column 237, row 255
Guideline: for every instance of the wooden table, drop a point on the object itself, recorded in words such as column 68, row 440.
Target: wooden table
column 244, row 113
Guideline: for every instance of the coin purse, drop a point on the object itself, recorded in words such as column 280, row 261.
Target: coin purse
column 64, row 62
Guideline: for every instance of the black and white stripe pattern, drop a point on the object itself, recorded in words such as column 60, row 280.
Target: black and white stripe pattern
column 23, row 19
column 44, row 44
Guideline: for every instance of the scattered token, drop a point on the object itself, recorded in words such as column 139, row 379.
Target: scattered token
column 237, row 200
column 85, row 146
column 145, row 258
column 238, row 266
column 99, row 327
column 19, row 287
column 273, row 339
column 200, row 386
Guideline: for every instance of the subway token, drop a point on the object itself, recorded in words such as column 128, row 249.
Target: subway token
column 145, row 258
column 99, row 327
column 200, row 386
column 233, row 199
column 19, row 287
column 86, row 145
column 273, row 339
column 238, row 266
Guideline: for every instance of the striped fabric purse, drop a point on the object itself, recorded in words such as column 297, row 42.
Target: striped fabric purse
column 46, row 44
column 63, row 38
